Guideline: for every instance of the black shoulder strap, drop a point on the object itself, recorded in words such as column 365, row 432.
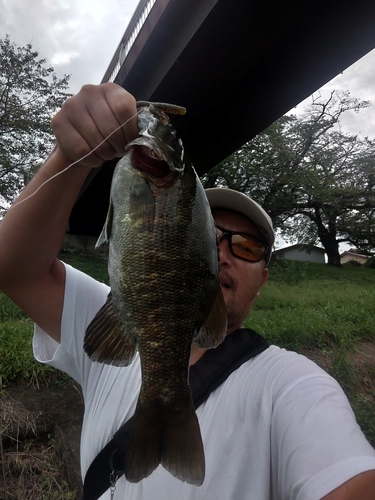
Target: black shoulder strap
column 205, row 376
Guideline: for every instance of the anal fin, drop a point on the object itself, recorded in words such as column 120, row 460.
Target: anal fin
column 105, row 338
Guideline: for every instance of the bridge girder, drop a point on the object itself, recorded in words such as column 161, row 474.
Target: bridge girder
column 237, row 66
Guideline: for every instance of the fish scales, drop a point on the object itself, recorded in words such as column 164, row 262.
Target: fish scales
column 165, row 294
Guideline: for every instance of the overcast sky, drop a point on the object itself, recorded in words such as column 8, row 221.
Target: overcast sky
column 79, row 37
column 359, row 80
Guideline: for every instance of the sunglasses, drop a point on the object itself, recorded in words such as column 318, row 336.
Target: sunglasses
column 244, row 246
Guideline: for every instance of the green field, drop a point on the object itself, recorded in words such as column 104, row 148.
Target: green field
column 322, row 312
column 305, row 305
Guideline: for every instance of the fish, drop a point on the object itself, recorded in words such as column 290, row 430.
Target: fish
column 163, row 267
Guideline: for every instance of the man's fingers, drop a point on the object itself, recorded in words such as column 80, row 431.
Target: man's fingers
column 124, row 108
column 96, row 124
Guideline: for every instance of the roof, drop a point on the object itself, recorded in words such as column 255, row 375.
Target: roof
column 301, row 247
column 354, row 254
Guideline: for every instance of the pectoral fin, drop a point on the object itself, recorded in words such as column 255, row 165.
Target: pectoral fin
column 105, row 338
column 214, row 329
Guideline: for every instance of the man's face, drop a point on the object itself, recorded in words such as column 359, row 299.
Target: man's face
column 241, row 280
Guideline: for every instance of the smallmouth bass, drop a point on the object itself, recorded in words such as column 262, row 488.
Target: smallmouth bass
column 165, row 294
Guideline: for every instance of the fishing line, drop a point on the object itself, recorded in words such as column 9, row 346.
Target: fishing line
column 72, row 164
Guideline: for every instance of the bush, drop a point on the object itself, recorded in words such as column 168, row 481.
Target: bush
column 370, row 263
column 353, row 263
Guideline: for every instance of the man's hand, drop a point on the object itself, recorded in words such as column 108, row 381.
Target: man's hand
column 88, row 118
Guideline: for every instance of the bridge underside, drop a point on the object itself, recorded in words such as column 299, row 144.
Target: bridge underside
column 237, row 66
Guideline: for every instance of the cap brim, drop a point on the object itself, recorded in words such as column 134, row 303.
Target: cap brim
column 239, row 202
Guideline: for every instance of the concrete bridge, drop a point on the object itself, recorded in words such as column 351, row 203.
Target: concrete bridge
column 236, row 65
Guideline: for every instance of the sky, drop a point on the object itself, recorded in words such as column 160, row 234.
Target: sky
column 79, row 37
column 359, row 80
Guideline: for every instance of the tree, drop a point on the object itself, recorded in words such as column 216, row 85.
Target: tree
column 30, row 93
column 317, row 183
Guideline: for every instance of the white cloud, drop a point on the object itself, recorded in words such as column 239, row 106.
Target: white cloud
column 358, row 79
column 64, row 58
column 78, row 37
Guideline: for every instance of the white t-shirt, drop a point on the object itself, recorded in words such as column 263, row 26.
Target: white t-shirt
column 278, row 428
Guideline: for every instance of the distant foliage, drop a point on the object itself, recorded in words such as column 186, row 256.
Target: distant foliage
column 316, row 182
column 289, row 271
column 30, row 94
column 353, row 263
column 370, row 263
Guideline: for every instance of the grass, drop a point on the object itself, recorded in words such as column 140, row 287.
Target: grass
column 92, row 263
column 315, row 309
column 16, row 359
column 32, row 469
column 17, row 364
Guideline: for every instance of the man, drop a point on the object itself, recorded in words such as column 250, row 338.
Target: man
column 278, row 428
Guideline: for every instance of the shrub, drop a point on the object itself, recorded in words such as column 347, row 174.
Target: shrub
column 370, row 263
column 353, row 263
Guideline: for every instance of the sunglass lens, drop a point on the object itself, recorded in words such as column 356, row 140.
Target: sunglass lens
column 247, row 248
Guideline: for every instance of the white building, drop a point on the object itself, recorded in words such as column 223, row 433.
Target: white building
column 302, row 252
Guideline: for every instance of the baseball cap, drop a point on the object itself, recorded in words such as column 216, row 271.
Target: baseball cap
column 239, row 202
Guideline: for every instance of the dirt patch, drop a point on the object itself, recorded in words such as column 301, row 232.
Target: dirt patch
column 363, row 353
column 353, row 368
column 367, row 349
column 40, row 430
column 55, row 404
column 321, row 358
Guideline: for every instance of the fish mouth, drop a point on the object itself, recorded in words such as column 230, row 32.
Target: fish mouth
column 147, row 160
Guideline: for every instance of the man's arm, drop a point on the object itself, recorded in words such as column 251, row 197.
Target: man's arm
column 361, row 487
column 33, row 230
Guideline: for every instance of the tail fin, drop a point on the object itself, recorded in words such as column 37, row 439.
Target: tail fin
column 169, row 435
